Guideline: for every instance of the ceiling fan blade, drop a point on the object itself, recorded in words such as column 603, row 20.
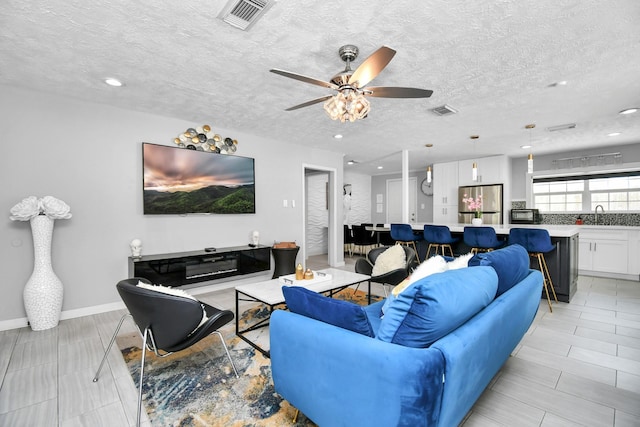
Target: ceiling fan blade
column 306, row 104
column 372, row 66
column 397, row 92
column 304, row 78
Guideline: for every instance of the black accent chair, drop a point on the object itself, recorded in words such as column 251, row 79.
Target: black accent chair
column 391, row 278
column 167, row 323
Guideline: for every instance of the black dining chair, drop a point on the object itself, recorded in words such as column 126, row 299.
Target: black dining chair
column 167, row 323
column 384, row 237
column 362, row 238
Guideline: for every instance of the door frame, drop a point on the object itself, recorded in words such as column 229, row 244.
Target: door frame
column 332, row 235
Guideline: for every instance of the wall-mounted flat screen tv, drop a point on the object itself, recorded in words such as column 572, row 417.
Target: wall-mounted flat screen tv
column 182, row 181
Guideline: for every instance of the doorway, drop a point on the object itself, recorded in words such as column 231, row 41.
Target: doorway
column 319, row 234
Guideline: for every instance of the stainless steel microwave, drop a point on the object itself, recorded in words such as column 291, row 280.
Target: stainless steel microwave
column 525, row 216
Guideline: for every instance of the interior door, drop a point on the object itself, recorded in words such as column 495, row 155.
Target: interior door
column 394, row 200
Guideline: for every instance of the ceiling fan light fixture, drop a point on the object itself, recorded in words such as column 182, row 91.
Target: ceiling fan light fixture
column 347, row 105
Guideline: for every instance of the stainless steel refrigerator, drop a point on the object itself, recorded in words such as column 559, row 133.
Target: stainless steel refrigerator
column 491, row 203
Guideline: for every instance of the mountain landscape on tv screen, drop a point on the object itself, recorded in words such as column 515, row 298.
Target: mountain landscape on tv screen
column 217, row 199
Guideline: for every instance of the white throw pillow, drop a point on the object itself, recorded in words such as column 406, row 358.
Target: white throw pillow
column 175, row 292
column 461, row 262
column 391, row 259
column 435, row 264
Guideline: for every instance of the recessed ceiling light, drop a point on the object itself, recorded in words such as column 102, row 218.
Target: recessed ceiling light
column 560, row 83
column 351, row 162
column 614, row 134
column 113, row 82
column 629, row 111
column 380, row 167
column 525, row 147
column 337, row 136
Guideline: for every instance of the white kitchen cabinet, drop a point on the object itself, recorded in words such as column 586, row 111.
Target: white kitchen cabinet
column 445, row 192
column 445, row 214
column 634, row 252
column 445, row 183
column 604, row 250
column 491, row 170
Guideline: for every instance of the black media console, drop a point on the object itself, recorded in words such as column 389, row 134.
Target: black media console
column 194, row 268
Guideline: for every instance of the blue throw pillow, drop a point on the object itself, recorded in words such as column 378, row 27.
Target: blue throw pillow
column 436, row 305
column 336, row 312
column 511, row 263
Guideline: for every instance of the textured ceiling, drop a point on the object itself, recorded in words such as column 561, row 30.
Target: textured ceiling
column 493, row 61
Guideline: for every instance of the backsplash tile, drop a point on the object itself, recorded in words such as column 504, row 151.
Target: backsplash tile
column 624, row 219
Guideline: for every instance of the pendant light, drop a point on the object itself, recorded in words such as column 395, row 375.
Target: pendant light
column 429, row 173
column 530, row 156
column 474, row 167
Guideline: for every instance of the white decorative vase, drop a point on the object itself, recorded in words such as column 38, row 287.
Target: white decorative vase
column 43, row 291
column 476, row 221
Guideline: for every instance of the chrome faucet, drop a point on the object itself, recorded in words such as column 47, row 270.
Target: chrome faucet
column 602, row 209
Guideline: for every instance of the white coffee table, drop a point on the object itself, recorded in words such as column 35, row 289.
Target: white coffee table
column 269, row 293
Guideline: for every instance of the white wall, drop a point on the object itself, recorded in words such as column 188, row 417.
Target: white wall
column 424, row 203
column 89, row 155
column 359, row 204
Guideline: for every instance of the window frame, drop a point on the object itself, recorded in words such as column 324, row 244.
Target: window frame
column 586, row 192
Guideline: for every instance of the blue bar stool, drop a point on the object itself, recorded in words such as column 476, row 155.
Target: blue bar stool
column 439, row 237
column 537, row 242
column 403, row 235
column 481, row 239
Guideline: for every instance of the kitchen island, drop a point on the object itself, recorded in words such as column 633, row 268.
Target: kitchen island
column 562, row 262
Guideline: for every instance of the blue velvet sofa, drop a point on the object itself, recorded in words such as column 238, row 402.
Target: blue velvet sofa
column 424, row 363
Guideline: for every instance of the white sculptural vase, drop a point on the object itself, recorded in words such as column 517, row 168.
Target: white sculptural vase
column 43, row 292
column 476, row 221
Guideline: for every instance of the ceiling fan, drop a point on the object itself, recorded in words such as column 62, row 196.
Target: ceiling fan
column 350, row 102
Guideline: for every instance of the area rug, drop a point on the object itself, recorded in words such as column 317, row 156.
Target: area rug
column 197, row 387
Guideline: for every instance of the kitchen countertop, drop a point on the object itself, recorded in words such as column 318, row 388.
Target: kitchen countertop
column 609, row 227
column 554, row 230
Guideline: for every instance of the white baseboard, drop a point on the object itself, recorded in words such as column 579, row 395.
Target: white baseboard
column 5, row 325
column 634, row 277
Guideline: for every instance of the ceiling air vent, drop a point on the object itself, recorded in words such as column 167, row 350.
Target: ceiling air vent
column 561, row 127
column 444, row 110
column 244, row 13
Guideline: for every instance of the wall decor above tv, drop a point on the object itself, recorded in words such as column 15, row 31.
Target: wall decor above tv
column 179, row 181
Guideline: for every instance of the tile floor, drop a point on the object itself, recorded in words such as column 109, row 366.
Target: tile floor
column 579, row 365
